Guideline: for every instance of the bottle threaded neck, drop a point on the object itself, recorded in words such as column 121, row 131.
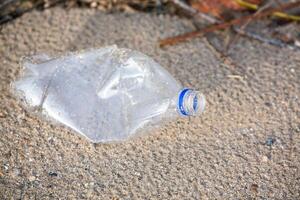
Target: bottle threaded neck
column 190, row 102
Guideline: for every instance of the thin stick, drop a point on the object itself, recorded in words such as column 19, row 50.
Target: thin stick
column 195, row 12
column 227, row 61
column 198, row 33
column 274, row 42
column 243, row 27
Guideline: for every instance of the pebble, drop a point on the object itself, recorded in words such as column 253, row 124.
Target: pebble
column 6, row 166
column 270, row 141
column 31, row 178
column 264, row 159
column 254, row 188
column 2, row 115
column 53, row 174
column 93, row 4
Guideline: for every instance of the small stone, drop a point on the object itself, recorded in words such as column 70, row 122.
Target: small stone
column 254, row 188
column 270, row 141
column 268, row 104
column 31, row 178
column 94, row 4
column 2, row 115
column 6, row 166
column 264, row 159
column 53, row 174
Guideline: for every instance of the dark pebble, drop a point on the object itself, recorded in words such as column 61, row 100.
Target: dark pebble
column 254, row 188
column 268, row 104
column 53, row 174
column 270, row 141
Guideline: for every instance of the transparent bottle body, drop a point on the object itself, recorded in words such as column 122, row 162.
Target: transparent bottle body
column 104, row 94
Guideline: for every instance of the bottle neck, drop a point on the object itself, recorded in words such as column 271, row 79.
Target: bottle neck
column 190, row 102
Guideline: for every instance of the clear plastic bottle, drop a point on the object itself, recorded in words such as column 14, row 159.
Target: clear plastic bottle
column 105, row 94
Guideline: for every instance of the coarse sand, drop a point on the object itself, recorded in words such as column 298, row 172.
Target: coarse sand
column 245, row 146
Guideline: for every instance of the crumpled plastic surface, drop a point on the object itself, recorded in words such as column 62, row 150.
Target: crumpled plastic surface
column 104, row 94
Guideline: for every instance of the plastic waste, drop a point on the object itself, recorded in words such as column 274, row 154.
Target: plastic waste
column 105, row 94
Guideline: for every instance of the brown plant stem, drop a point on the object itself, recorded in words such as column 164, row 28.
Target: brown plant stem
column 212, row 28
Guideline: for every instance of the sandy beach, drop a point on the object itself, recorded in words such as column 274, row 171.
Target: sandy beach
column 245, row 146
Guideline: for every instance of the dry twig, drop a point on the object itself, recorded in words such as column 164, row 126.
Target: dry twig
column 274, row 42
column 198, row 33
column 195, row 12
column 243, row 27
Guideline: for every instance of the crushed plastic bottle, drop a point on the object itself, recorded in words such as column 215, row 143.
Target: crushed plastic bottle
column 105, row 94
